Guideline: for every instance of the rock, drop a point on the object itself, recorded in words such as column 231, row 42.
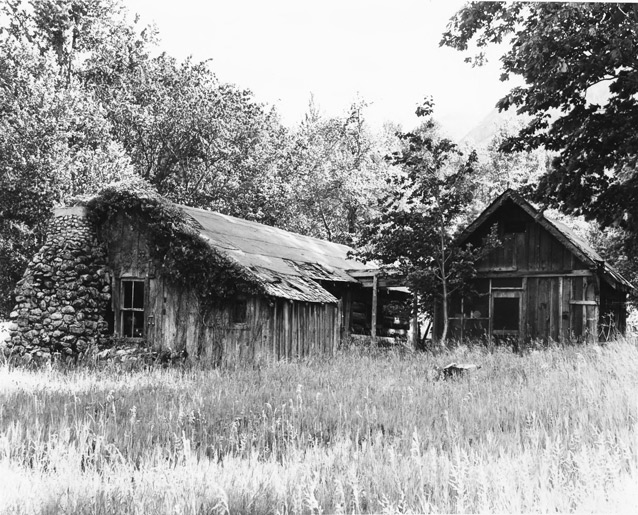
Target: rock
column 76, row 328
column 60, row 292
column 458, row 369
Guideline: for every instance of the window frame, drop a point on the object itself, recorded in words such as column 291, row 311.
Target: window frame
column 239, row 312
column 123, row 311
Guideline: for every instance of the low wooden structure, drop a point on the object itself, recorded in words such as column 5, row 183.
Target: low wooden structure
column 302, row 295
column 544, row 282
column 132, row 265
column 304, row 284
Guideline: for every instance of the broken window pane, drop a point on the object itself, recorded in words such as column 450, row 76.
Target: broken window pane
column 127, row 294
column 138, row 295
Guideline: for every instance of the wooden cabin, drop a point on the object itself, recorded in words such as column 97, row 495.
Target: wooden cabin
column 544, row 282
column 300, row 296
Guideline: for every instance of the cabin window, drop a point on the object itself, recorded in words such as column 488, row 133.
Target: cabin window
column 132, row 308
column 238, row 314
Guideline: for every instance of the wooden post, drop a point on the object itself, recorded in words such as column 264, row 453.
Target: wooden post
column 337, row 327
column 347, row 306
column 375, row 300
column 414, row 322
column 286, row 329
column 561, row 339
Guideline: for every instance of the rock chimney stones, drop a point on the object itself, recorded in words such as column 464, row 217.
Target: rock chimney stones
column 64, row 292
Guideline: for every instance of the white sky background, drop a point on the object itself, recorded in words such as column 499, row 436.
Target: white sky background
column 385, row 52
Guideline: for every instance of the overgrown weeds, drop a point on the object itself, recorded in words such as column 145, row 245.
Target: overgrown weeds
column 368, row 431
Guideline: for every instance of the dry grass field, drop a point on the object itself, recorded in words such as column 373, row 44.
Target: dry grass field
column 366, row 432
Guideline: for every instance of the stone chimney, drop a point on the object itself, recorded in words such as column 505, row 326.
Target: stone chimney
column 63, row 295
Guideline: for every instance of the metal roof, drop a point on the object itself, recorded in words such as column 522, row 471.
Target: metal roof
column 286, row 264
column 577, row 245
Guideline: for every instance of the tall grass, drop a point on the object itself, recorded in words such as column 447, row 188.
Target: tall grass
column 367, row 431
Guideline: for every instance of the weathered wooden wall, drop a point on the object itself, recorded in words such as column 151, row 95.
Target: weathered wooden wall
column 560, row 298
column 273, row 328
column 531, row 250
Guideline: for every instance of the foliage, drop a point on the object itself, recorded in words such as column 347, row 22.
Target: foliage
column 334, row 173
column 54, row 143
column 83, row 103
column 617, row 247
column 198, row 141
column 361, row 433
column 419, row 219
column 174, row 242
column 496, row 171
column 580, row 68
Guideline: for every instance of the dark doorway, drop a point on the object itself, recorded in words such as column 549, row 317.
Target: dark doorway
column 506, row 314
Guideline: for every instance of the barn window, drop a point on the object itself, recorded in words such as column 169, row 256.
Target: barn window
column 238, row 314
column 132, row 308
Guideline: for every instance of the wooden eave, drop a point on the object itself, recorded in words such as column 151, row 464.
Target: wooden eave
column 384, row 279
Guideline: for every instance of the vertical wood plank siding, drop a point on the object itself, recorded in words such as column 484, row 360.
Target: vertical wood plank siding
column 562, row 299
column 273, row 328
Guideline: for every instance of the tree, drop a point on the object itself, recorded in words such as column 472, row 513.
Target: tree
column 55, row 143
column 416, row 229
column 199, row 142
column 82, row 103
column 334, row 173
column 580, row 66
column 498, row 171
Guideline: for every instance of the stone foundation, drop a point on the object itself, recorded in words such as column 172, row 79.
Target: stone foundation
column 64, row 292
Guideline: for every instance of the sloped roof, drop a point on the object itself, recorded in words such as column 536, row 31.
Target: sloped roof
column 577, row 245
column 287, row 265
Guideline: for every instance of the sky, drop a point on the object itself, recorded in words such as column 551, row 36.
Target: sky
column 385, row 53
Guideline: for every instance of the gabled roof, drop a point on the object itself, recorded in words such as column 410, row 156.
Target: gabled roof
column 566, row 236
column 287, row 265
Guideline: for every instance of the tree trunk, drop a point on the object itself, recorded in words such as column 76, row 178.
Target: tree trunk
column 443, row 276
column 445, row 314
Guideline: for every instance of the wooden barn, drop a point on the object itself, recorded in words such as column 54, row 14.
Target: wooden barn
column 544, row 282
column 284, row 295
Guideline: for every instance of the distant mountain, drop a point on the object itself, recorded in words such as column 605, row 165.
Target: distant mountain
column 483, row 133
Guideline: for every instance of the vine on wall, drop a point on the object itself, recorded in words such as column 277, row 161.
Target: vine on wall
column 174, row 243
